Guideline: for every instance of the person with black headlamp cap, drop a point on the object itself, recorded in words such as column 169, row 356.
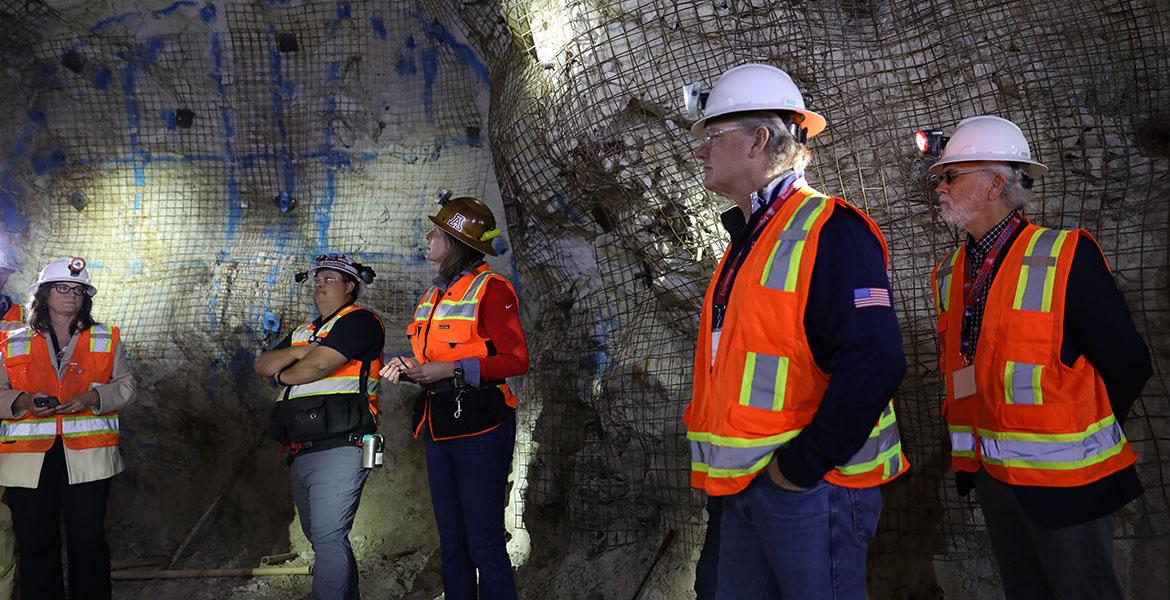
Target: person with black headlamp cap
column 326, row 373
column 467, row 339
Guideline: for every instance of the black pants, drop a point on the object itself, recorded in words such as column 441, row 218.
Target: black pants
column 36, row 521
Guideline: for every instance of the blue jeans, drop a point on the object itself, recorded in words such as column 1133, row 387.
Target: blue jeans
column 326, row 487
column 469, row 479
column 808, row 545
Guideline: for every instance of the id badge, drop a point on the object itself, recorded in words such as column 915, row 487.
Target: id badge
column 964, row 382
column 715, row 344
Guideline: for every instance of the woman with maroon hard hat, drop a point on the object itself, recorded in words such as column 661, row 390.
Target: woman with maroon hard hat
column 467, row 339
column 64, row 379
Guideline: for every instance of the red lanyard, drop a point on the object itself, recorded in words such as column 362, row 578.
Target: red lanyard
column 727, row 277
column 972, row 289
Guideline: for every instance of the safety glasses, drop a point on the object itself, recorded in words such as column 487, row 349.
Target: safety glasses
column 951, row 176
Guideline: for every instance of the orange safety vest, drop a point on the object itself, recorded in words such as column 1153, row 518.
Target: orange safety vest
column 764, row 386
column 346, row 379
column 26, row 359
column 447, row 329
column 13, row 318
column 1031, row 420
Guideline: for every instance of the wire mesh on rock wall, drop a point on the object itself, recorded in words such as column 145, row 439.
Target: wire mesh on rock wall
column 615, row 230
column 187, row 128
column 198, row 155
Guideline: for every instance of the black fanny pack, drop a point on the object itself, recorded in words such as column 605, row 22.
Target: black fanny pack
column 322, row 416
column 459, row 412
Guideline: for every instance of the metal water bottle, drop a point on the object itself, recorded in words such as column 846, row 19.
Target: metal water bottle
column 372, row 450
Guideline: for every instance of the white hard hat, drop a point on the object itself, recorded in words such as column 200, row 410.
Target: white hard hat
column 756, row 87
column 342, row 263
column 988, row 138
column 64, row 269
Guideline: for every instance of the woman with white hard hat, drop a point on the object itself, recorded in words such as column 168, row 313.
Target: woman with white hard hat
column 64, row 379
column 466, row 337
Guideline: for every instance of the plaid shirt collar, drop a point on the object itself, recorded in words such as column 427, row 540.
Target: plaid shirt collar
column 978, row 249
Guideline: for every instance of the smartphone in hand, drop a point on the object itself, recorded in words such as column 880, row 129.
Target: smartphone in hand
column 46, row 402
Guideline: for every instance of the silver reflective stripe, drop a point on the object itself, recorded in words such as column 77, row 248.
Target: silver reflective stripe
column 464, row 307
column 301, row 335
column 329, row 385
column 19, row 343
column 82, row 426
column 730, row 461
column 875, row 446
column 1073, row 453
column 423, row 310
column 894, row 465
column 1039, row 262
column 450, row 310
column 1023, row 383
column 782, row 261
column 962, row 441
column 765, row 379
column 11, row 431
column 101, row 339
column 473, row 289
column 945, row 271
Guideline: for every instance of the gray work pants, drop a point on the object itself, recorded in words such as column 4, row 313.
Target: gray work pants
column 1038, row 563
column 326, row 487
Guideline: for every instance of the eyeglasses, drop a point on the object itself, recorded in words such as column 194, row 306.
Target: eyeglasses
column 711, row 135
column 63, row 289
column 951, row 176
column 325, row 280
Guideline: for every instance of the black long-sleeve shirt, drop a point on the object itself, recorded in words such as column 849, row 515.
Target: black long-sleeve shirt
column 860, row 348
column 1097, row 325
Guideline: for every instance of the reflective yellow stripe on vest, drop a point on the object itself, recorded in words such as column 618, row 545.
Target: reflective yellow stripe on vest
column 333, row 385
column 722, row 456
column 1061, row 452
column 89, row 425
column 1021, row 383
column 463, row 309
column 19, row 343
column 942, row 293
column 784, row 262
column 962, row 441
column 28, row 429
column 765, row 378
column 423, row 311
column 884, row 447
column 1034, row 288
column 101, row 339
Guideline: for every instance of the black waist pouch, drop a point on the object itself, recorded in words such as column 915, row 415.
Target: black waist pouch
column 479, row 409
column 313, row 418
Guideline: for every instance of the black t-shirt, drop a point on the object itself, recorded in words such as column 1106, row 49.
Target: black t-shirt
column 357, row 336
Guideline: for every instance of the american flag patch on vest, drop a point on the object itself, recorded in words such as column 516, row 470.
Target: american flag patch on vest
column 865, row 297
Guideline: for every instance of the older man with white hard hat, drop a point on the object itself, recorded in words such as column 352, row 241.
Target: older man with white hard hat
column 1042, row 363
column 791, row 422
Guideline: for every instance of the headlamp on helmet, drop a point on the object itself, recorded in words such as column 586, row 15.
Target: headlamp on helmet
column 930, row 142
column 694, row 99
column 76, row 266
